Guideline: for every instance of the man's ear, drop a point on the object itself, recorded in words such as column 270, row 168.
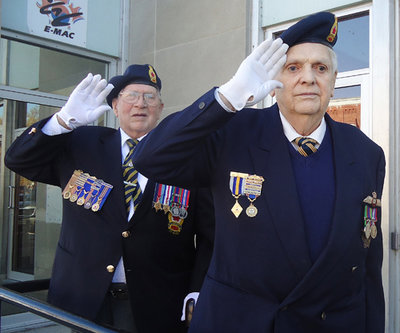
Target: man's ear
column 334, row 81
column 114, row 106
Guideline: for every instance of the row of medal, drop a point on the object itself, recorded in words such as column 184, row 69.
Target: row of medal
column 248, row 185
column 174, row 201
column 86, row 190
column 370, row 231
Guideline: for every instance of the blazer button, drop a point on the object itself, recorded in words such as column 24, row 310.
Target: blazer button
column 323, row 315
column 354, row 268
column 110, row 268
column 202, row 105
column 126, row 234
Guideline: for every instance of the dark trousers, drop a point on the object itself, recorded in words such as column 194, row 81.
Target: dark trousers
column 116, row 310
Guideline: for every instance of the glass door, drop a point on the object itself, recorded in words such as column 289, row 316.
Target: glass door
column 24, row 199
column 32, row 77
column 23, row 226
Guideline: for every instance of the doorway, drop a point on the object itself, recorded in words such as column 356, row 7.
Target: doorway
column 32, row 230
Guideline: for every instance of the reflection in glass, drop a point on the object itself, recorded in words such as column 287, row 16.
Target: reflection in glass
column 352, row 48
column 36, row 68
column 1, row 131
column 34, row 229
column 345, row 106
column 24, row 226
column 29, row 113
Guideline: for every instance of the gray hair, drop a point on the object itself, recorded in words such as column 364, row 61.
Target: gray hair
column 334, row 60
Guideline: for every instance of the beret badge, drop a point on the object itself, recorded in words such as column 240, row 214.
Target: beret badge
column 152, row 75
column 333, row 32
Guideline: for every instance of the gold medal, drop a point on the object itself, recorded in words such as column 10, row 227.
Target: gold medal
column 166, row 209
column 73, row 197
column 81, row 200
column 252, row 210
column 374, row 231
column 80, row 183
column 87, row 205
column 157, row 206
column 174, row 224
column 373, row 201
column 98, row 201
column 252, row 189
column 237, row 209
column 95, row 207
column 245, row 184
column 367, row 230
column 366, row 242
column 71, row 184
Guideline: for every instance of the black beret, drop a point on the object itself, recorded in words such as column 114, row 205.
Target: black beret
column 317, row 28
column 143, row 74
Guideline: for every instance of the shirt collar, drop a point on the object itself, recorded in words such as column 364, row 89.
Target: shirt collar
column 125, row 137
column 291, row 133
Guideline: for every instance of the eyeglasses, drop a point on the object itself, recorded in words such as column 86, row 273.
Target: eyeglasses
column 132, row 97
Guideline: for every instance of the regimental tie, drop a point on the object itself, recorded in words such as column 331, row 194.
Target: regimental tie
column 306, row 146
column 130, row 174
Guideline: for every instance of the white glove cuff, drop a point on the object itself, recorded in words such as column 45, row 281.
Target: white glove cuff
column 71, row 122
column 234, row 95
column 194, row 295
column 221, row 102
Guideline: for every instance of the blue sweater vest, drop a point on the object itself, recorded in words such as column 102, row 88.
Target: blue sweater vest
column 315, row 181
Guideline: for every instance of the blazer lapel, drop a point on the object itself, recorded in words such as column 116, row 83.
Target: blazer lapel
column 113, row 170
column 145, row 204
column 271, row 159
column 346, row 168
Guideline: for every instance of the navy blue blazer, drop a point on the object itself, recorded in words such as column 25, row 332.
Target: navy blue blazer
column 161, row 268
column 261, row 278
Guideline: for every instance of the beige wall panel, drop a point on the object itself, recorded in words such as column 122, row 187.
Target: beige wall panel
column 191, row 69
column 194, row 45
column 142, row 30
column 182, row 21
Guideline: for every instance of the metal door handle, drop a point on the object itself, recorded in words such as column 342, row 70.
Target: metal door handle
column 11, row 196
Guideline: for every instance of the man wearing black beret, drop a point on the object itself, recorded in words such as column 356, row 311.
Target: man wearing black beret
column 130, row 250
column 297, row 196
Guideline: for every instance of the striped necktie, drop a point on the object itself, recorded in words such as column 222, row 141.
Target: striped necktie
column 306, row 145
column 130, row 175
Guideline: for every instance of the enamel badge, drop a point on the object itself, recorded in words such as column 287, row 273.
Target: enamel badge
column 86, row 190
column 248, row 185
column 174, row 201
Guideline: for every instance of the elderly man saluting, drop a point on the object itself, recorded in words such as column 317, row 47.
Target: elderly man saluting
column 130, row 249
column 298, row 246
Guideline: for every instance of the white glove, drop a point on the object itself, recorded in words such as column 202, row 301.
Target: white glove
column 86, row 102
column 194, row 296
column 254, row 79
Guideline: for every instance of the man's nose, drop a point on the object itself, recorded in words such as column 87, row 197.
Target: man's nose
column 308, row 75
column 141, row 102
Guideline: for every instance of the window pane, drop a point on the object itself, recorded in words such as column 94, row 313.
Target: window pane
column 35, row 68
column 352, row 46
column 347, row 92
column 26, row 114
column 345, row 106
column 34, row 214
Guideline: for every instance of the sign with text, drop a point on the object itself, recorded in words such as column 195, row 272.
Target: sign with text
column 61, row 20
